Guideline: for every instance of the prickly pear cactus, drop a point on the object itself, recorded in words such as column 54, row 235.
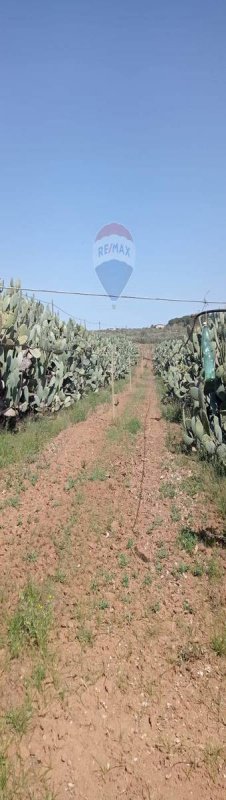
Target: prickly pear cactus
column 204, row 403
column 46, row 364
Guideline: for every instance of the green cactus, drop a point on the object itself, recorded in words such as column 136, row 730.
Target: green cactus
column 204, row 405
column 46, row 363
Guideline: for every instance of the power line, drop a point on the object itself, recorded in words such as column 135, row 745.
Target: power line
column 124, row 296
column 79, row 319
column 63, row 311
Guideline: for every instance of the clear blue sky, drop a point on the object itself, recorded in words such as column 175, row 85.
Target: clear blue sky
column 114, row 112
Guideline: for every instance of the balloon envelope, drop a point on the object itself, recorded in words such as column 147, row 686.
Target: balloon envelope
column 114, row 256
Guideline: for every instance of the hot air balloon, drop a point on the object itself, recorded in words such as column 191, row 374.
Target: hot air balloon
column 114, row 256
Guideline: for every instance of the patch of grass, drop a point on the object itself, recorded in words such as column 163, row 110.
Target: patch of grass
column 218, row 643
column 38, row 676
column 14, row 502
column 31, row 556
column 125, row 581
column 175, row 513
column 79, row 498
column 133, row 425
column 60, row 576
column 4, row 774
column 94, row 586
column 147, row 579
column 187, row 540
column 127, row 598
column 33, row 478
column 172, row 411
column 18, row 718
column 182, row 569
column 157, row 522
column 85, row 636
column 162, row 552
column 167, row 490
column 197, row 570
column 214, row 755
column 122, row 560
column 108, row 577
column 214, row 570
column 192, row 485
column 30, row 623
column 98, row 474
column 189, row 652
column 187, row 607
column 103, row 604
column 155, row 607
column 70, row 484
column 115, row 430
column 172, row 442
column 130, row 544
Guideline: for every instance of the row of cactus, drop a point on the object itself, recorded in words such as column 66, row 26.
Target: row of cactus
column 45, row 363
column 180, row 364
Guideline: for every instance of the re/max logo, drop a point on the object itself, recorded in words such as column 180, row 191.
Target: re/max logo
column 121, row 249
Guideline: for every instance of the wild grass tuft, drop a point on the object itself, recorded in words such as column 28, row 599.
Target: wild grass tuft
column 30, row 622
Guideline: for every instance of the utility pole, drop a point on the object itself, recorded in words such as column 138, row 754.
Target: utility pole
column 52, row 307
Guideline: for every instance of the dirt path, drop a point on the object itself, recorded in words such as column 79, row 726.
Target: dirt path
column 131, row 700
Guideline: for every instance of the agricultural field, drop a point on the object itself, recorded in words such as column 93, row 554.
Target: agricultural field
column 112, row 537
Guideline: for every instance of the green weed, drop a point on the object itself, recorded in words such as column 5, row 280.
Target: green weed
column 103, row 604
column 94, row 586
column 197, row 570
column 175, row 513
column 122, row 560
column 18, row 718
column 60, row 576
column 155, row 607
column 219, row 643
column 33, row 478
column 70, row 484
column 214, row 570
column 13, row 501
column 187, row 607
column 167, row 490
column 192, row 485
column 30, row 622
column 172, row 411
column 182, row 569
column 130, row 544
column 133, row 425
column 108, row 577
column 98, row 474
column 38, row 676
column 4, row 775
column 162, row 552
column 157, row 522
column 31, row 556
column 187, row 540
column 85, row 636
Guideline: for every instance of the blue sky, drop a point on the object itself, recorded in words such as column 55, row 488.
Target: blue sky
column 114, row 112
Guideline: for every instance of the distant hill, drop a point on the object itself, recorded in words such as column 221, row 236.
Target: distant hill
column 155, row 333
column 175, row 328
